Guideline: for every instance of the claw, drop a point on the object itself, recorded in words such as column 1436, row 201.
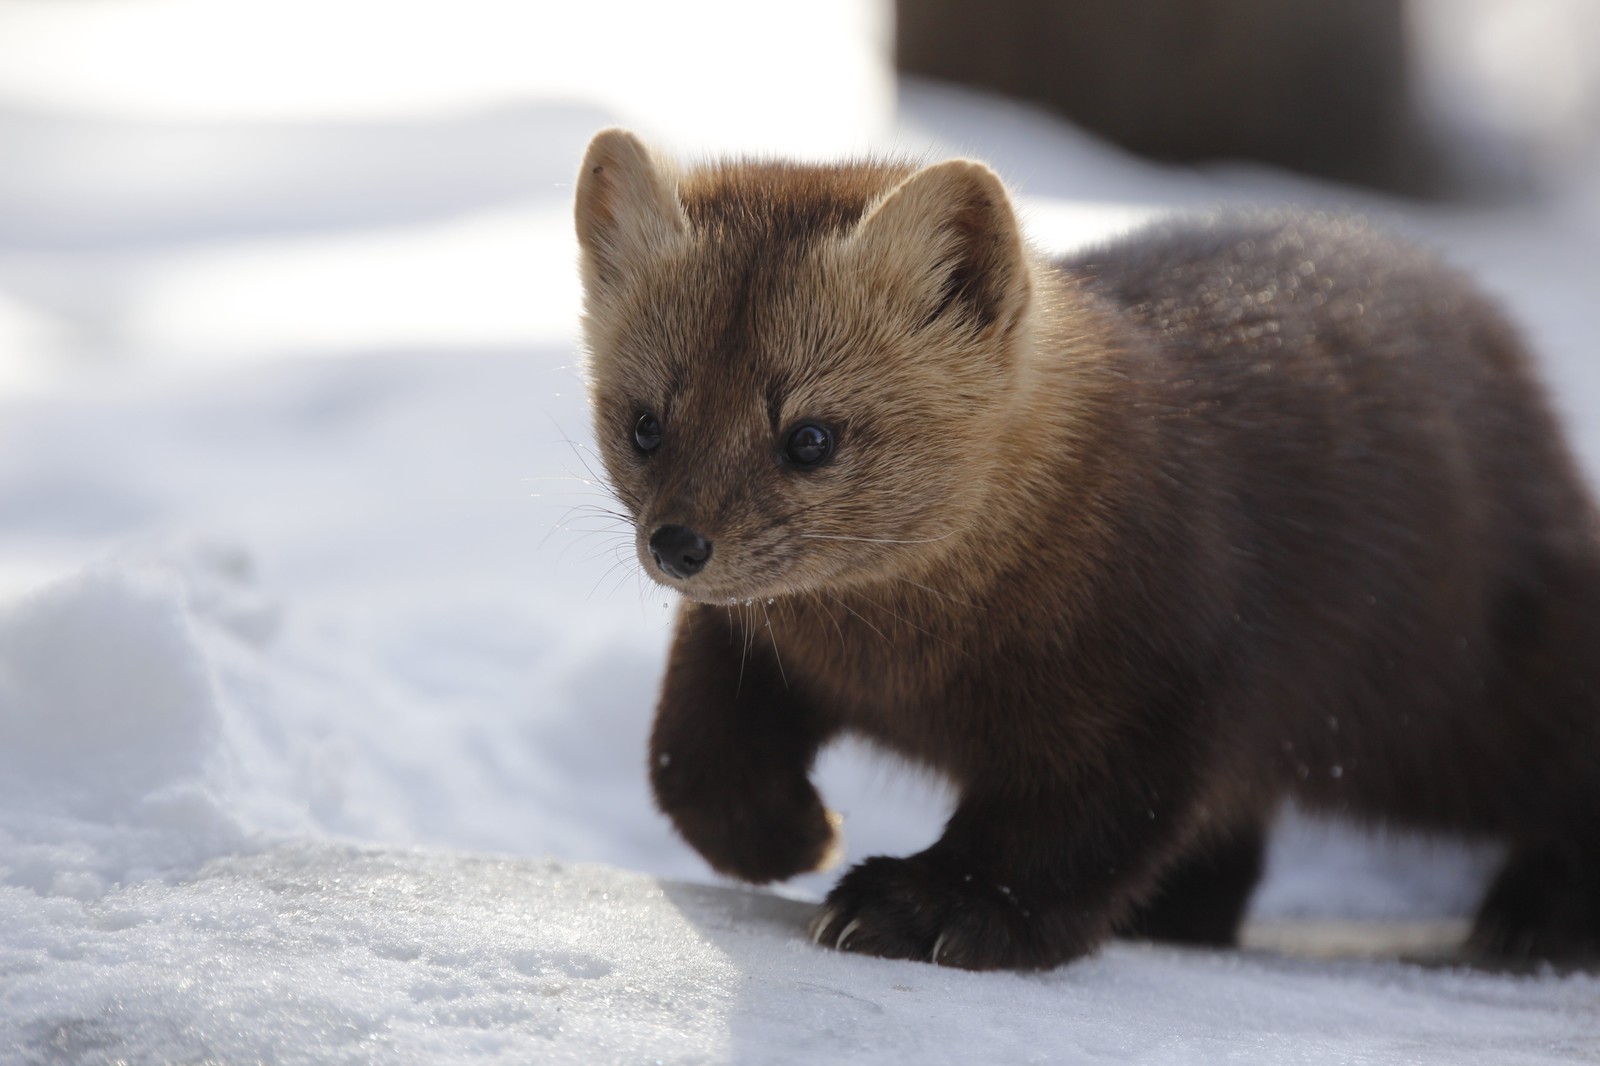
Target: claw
column 820, row 924
column 938, row 946
column 844, row 934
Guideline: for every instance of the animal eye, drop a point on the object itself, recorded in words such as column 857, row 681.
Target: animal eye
column 808, row 445
column 647, row 433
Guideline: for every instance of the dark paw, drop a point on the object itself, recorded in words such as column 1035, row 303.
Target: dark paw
column 922, row 908
column 1543, row 907
column 766, row 831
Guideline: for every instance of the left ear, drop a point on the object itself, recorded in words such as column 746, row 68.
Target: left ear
column 949, row 232
column 626, row 208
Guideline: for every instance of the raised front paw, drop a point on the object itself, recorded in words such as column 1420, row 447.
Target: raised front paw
column 756, row 829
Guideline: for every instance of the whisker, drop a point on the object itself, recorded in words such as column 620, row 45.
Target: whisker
column 592, row 482
column 578, row 450
column 744, row 653
column 592, row 510
column 618, row 552
column 612, row 546
column 566, row 439
column 609, row 571
column 749, row 628
column 622, row 525
column 907, row 622
column 733, row 632
column 581, row 537
column 606, row 495
column 864, row 622
column 940, row 593
column 593, row 524
column 874, row 540
column 833, row 617
column 773, row 639
column 622, row 578
column 640, row 585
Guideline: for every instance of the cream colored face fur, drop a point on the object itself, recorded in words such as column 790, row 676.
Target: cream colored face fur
column 737, row 301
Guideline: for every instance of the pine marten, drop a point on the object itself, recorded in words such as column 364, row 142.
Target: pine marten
column 1128, row 547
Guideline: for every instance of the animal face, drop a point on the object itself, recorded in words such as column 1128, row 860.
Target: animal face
column 797, row 373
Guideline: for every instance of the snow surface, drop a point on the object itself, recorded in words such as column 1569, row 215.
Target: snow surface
column 324, row 679
column 317, row 952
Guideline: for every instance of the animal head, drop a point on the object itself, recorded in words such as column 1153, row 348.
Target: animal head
column 799, row 374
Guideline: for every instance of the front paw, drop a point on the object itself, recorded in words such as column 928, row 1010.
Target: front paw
column 928, row 909
column 761, row 830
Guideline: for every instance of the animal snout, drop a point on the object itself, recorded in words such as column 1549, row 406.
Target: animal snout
column 679, row 550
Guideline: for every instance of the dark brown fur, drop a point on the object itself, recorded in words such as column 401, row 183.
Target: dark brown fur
column 1128, row 547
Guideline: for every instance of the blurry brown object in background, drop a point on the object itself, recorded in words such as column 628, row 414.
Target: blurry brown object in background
column 1319, row 86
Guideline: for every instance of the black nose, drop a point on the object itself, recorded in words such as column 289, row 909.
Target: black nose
column 679, row 550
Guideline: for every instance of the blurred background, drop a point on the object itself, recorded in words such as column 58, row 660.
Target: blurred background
column 192, row 181
column 187, row 182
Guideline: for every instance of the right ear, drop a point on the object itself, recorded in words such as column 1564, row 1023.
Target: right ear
column 627, row 206
column 949, row 232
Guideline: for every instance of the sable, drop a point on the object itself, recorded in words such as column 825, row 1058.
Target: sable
column 1129, row 547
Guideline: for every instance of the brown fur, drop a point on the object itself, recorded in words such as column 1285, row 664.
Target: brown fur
column 1128, row 547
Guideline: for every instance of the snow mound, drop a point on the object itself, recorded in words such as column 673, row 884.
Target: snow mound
column 106, row 695
column 110, row 732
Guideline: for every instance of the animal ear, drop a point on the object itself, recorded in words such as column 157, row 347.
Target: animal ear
column 626, row 206
column 950, row 232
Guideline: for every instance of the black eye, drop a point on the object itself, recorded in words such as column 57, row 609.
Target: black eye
column 808, row 444
column 647, row 433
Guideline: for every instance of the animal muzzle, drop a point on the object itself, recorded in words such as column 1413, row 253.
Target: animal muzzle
column 679, row 551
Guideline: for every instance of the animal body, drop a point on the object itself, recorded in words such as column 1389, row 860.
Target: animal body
column 1128, row 547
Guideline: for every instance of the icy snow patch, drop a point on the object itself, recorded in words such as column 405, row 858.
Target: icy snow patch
column 328, row 954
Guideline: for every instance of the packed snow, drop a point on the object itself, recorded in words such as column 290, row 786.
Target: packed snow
column 325, row 677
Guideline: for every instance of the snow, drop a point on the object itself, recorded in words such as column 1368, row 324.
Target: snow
column 318, row 952
column 324, row 677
